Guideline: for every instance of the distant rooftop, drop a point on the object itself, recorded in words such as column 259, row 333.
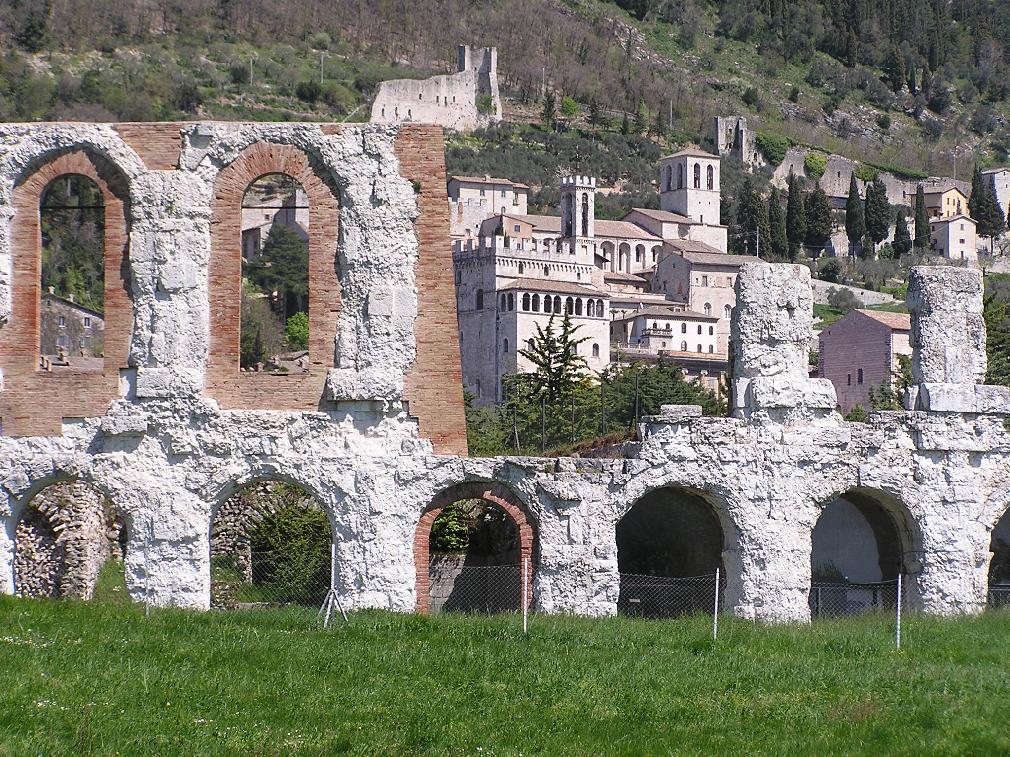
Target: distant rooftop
column 554, row 287
column 896, row 321
column 662, row 215
column 692, row 152
column 488, row 180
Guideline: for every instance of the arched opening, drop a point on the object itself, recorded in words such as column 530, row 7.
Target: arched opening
column 999, row 566
column 640, row 253
column 669, row 546
column 274, row 332
column 70, row 541
column 596, row 350
column 72, row 291
column 536, row 303
column 668, row 178
column 607, row 248
column 569, row 305
column 585, row 215
column 680, row 176
column 860, row 543
column 526, row 302
column 710, row 171
column 569, row 215
column 470, row 550
column 624, row 257
column 591, row 308
column 578, row 306
column 697, row 175
column 269, row 545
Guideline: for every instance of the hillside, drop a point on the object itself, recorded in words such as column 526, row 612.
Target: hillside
column 819, row 73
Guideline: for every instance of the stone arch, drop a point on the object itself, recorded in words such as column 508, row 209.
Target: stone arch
column 64, row 531
column 255, row 567
column 233, row 389
column 35, row 402
column 998, row 576
column 670, row 541
column 862, row 539
column 492, row 492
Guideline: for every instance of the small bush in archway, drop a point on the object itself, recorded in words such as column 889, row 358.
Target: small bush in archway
column 291, row 555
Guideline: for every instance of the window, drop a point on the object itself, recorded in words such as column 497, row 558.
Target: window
column 72, row 224
column 479, row 300
column 578, row 306
column 704, row 281
column 699, row 328
column 668, row 173
column 683, row 328
column 655, row 325
column 697, row 175
column 707, row 309
column 505, row 347
column 526, row 302
column 699, row 348
column 591, row 308
column 87, row 322
column 711, row 177
column 512, row 301
column 727, row 311
column 536, row 303
column 570, row 306
column 683, row 346
column 547, row 270
column 711, row 330
column 668, row 327
column 859, row 376
column 516, row 229
column 680, row 176
column 848, row 381
column 503, row 303
column 482, row 191
column 585, row 215
column 522, row 269
column 596, row 350
column 277, row 272
column 711, row 348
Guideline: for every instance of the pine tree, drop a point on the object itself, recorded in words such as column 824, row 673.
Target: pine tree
column 777, row 224
column 913, row 84
column 921, row 221
column 818, row 215
column 557, row 364
column 902, row 244
column 549, row 116
column 796, row 218
column 625, row 126
column 878, row 212
column 894, row 69
column 855, row 218
column 753, row 229
column 641, row 118
column 976, row 192
column 596, row 117
column 990, row 215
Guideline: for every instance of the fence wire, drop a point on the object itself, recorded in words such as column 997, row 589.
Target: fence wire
column 999, row 598
column 846, row 600
column 269, row 579
column 664, row 597
column 475, row 589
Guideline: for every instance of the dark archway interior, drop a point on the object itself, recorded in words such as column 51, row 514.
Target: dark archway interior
column 473, row 559
column 669, row 546
column 999, row 567
column 856, row 555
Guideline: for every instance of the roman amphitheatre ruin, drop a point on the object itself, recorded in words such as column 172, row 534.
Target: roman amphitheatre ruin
column 169, row 427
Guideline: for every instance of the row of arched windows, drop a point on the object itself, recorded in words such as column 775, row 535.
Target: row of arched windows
column 570, row 305
column 683, row 328
column 709, row 177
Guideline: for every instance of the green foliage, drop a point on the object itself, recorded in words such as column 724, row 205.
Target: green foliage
column 988, row 214
column 842, row 300
column 817, row 210
column 890, row 394
column 557, row 365
column 282, row 267
column 777, row 224
column 296, row 332
column 878, row 211
column 830, row 269
column 110, row 588
column 549, row 113
column 921, row 238
column 855, row 219
column 865, row 173
column 814, row 164
column 309, row 90
column 902, row 241
column 996, row 312
column 857, row 414
column 73, row 244
column 796, row 217
column 753, row 229
column 773, row 146
column 450, row 532
column 569, row 107
column 291, row 553
column 485, row 105
column 894, row 69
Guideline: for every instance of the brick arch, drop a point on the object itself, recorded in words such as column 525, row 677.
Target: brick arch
column 34, row 403
column 233, row 389
column 491, row 492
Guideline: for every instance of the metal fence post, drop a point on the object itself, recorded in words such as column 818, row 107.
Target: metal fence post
column 715, row 607
column 897, row 636
column 526, row 603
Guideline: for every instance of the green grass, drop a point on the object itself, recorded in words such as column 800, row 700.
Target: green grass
column 85, row 679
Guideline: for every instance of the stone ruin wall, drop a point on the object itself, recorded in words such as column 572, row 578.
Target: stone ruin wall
column 382, row 448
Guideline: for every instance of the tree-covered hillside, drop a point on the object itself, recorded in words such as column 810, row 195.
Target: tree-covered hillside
column 918, row 85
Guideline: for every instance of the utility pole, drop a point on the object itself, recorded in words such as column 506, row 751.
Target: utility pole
column 322, row 57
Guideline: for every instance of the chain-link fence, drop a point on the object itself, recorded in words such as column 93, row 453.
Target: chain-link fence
column 475, row 589
column 843, row 600
column 269, row 579
column 664, row 597
column 999, row 597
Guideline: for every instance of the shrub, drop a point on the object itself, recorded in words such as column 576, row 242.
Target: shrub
column 485, row 105
column 291, row 554
column 842, row 300
column 751, row 97
column 773, row 147
column 308, row 91
column 865, row 173
column 296, row 332
column 814, row 164
column 794, row 95
column 884, row 121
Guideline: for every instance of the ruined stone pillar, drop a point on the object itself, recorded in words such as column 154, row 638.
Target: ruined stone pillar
column 948, row 343
column 772, row 327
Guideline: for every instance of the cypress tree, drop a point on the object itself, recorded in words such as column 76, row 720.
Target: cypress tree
column 855, row 218
column 777, row 225
column 990, row 215
column 818, row 215
column 894, row 69
column 921, row 221
column 902, row 241
column 548, row 116
column 976, row 193
column 752, row 221
column 878, row 212
column 796, row 217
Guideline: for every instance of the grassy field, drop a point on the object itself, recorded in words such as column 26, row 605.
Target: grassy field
column 104, row 679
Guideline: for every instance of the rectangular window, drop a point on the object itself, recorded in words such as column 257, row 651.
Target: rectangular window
column 63, row 321
column 61, row 340
column 859, row 376
column 87, row 322
column 516, row 228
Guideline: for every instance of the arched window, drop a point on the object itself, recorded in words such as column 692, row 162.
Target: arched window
column 578, row 306
column 536, row 303
column 511, row 301
column 596, row 350
column 727, row 311
column 683, row 346
column 711, row 348
column 655, row 325
column 547, row 271
column 683, row 328
column 697, row 175
column 526, row 302
column 275, row 267
column 639, row 253
column 72, row 292
column 711, row 330
column 699, row 348
column 479, row 300
column 599, row 308
column 710, row 171
column 557, row 304
column 707, row 308
column 585, row 215
column 570, row 306
column 680, row 176
column 699, row 328
column 668, row 326
column 503, row 302
column 529, row 344
column 522, row 268
column 591, row 308
column 505, row 347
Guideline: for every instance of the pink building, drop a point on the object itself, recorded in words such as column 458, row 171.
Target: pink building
column 860, row 352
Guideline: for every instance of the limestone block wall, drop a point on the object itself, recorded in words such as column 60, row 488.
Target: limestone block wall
column 380, row 444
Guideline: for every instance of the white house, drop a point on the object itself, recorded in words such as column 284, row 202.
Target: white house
column 954, row 237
